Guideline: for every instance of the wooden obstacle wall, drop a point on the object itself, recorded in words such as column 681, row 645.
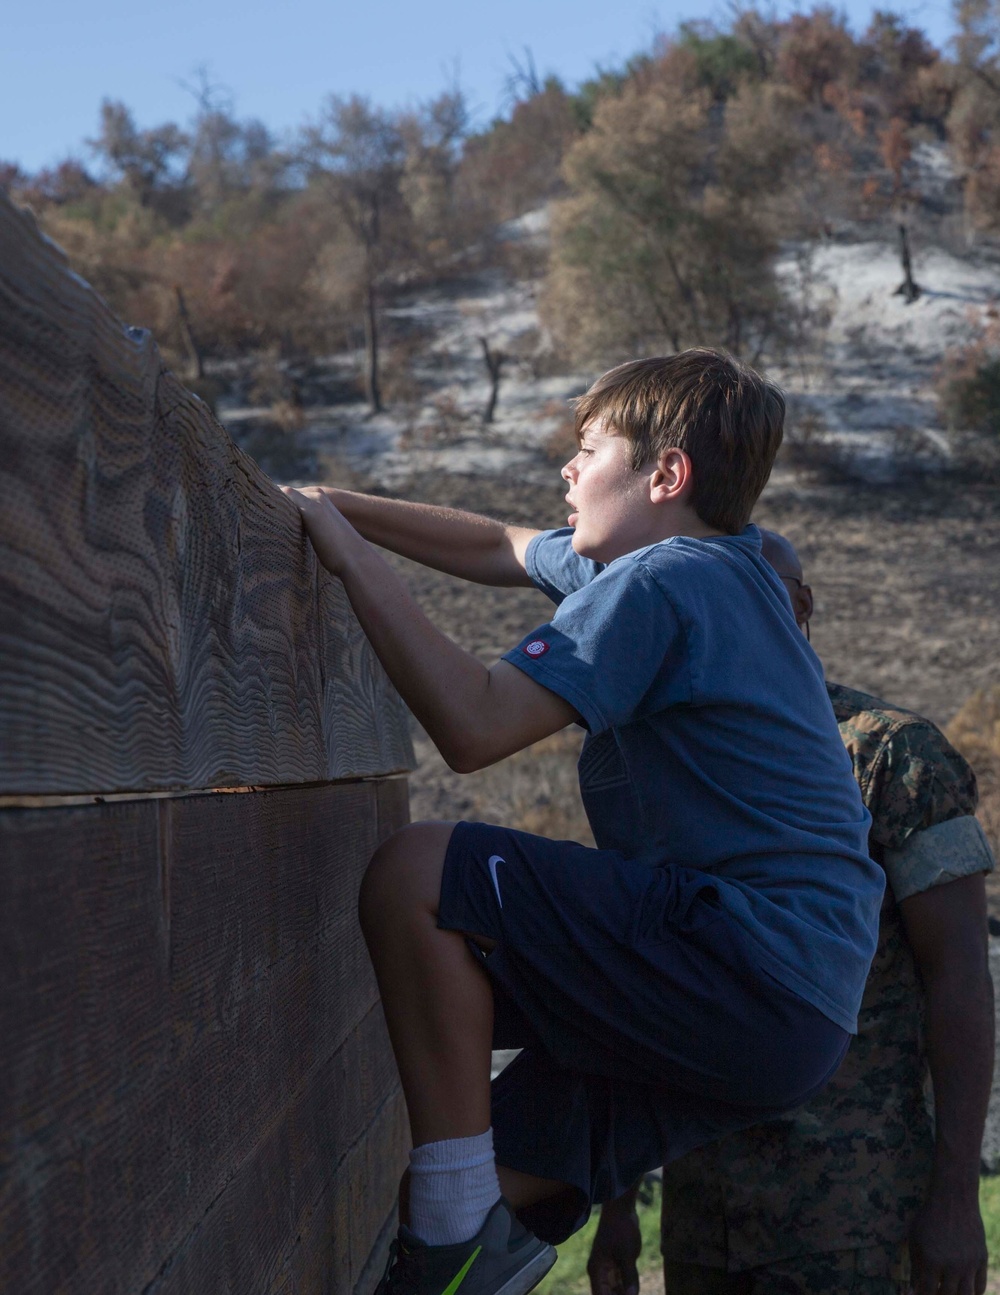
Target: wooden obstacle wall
column 198, row 754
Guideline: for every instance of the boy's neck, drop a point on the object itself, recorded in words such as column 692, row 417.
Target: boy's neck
column 681, row 521
column 694, row 529
column 663, row 525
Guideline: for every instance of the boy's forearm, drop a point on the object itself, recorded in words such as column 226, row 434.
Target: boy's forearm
column 470, row 717
column 447, row 539
column 437, row 679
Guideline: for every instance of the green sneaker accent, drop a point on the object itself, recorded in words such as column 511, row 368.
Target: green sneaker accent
column 503, row 1258
column 459, row 1277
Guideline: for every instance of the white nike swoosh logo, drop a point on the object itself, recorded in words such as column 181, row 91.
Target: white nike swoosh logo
column 494, row 860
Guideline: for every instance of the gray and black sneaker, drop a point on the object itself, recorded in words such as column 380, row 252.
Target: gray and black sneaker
column 503, row 1258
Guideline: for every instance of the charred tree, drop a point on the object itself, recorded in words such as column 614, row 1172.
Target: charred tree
column 373, row 387
column 909, row 288
column 495, row 361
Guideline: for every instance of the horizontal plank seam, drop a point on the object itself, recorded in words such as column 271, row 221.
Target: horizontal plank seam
column 116, row 797
column 266, row 1132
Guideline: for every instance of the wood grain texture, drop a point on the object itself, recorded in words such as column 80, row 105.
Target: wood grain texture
column 197, row 1091
column 163, row 622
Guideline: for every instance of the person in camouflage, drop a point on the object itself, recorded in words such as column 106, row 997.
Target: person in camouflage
column 863, row 1190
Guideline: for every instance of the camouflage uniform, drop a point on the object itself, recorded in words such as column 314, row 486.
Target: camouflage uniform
column 821, row 1200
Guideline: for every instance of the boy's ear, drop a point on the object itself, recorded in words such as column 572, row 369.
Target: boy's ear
column 672, row 478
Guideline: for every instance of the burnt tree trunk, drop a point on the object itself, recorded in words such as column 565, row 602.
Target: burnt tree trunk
column 373, row 389
column 909, row 288
column 495, row 361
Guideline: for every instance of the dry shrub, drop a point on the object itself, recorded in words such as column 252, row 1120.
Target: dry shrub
column 817, row 52
column 914, row 454
column 972, row 135
column 982, row 190
column 896, row 150
column 240, row 293
column 272, row 277
column 450, row 421
column 532, row 351
column 208, row 388
column 401, row 382
column 276, row 447
column 288, row 415
column 523, row 259
column 808, row 449
column 535, row 790
column 975, row 732
column 669, row 236
column 969, row 378
column 514, row 165
column 968, row 391
column 402, row 388
column 332, row 469
column 270, row 382
column 272, row 438
column 560, row 444
column 441, row 422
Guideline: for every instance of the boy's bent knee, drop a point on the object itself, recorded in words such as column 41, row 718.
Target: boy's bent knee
column 411, row 850
column 404, row 873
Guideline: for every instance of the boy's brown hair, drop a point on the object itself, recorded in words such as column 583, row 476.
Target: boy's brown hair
column 726, row 417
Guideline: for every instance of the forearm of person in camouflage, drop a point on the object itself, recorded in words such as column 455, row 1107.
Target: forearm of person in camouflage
column 946, row 929
column 614, row 1257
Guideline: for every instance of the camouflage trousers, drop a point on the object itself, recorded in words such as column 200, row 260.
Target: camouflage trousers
column 871, row 1271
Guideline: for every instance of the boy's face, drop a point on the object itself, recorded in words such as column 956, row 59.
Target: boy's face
column 608, row 498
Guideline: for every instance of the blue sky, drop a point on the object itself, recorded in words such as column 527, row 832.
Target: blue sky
column 58, row 60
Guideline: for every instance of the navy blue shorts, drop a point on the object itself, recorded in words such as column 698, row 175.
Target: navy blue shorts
column 647, row 1027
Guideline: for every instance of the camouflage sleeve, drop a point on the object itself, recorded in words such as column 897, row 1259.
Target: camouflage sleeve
column 917, row 781
column 939, row 854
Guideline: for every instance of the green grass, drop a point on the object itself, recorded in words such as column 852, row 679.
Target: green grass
column 569, row 1276
column 989, row 1203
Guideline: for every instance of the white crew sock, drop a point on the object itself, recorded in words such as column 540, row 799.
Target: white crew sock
column 453, row 1186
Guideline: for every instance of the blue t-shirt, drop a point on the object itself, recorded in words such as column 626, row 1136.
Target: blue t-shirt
column 712, row 744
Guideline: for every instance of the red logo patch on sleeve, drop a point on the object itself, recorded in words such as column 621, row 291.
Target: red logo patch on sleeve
column 536, row 648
